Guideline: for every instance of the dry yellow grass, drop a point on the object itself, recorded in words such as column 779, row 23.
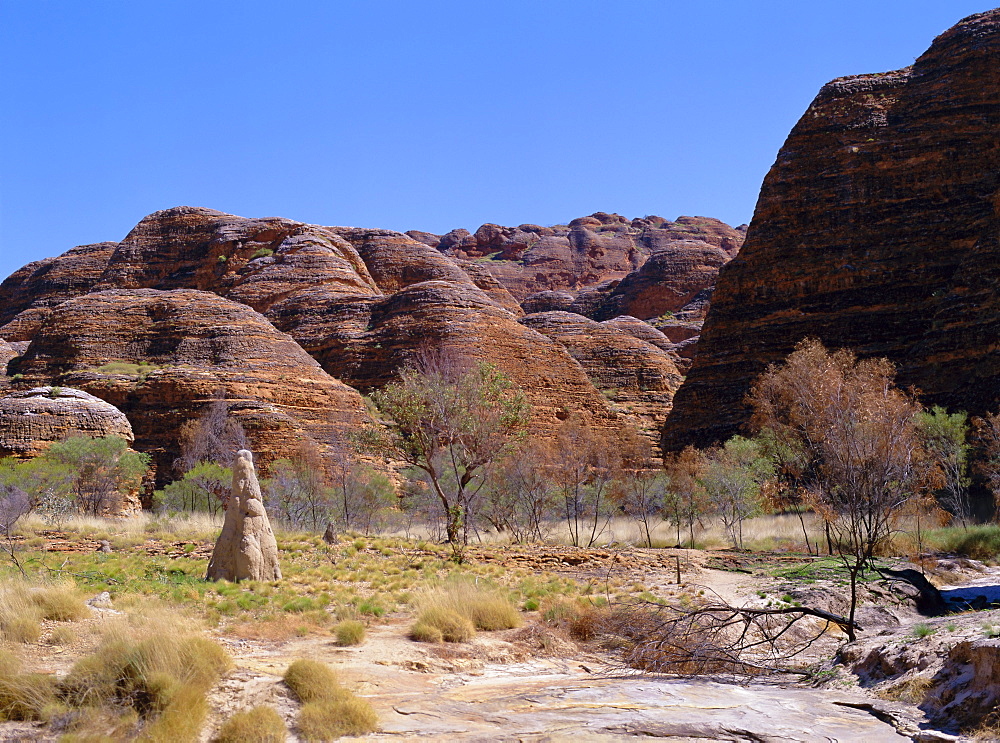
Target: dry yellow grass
column 257, row 725
column 320, row 721
column 451, row 625
column 313, row 681
column 23, row 606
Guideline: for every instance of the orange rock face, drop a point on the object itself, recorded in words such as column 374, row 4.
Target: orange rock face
column 363, row 342
column 638, row 377
column 529, row 259
column 190, row 345
column 162, row 322
column 877, row 229
column 28, row 294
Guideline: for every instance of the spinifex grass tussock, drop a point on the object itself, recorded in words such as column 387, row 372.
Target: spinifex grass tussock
column 257, row 725
column 155, row 665
column 436, row 623
column 350, row 632
column 329, row 710
column 321, row 721
column 485, row 606
column 26, row 696
column 313, row 681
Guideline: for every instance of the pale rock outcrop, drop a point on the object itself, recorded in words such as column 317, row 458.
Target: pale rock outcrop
column 30, row 420
column 246, row 548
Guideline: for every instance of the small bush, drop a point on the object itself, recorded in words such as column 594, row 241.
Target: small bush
column 22, row 629
column 258, row 725
column 487, row 608
column 561, row 611
column 150, row 670
column 62, row 636
column 452, row 625
column 183, row 718
column 588, row 624
column 350, row 632
column 328, row 720
column 372, row 607
column 9, row 664
column 262, row 253
column 312, row 681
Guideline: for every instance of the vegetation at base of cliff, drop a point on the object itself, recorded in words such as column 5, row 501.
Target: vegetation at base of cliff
column 77, row 475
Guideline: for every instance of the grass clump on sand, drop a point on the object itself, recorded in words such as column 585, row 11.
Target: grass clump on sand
column 257, row 725
column 460, row 608
column 329, row 710
column 350, row 632
column 153, row 670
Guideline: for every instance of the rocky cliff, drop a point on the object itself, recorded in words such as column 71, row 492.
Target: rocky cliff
column 162, row 356
column 877, row 228
column 32, row 419
column 589, row 251
column 195, row 303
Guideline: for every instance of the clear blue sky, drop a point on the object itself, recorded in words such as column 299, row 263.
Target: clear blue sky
column 413, row 114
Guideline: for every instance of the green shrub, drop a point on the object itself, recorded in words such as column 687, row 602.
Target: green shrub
column 328, row 720
column 372, row 607
column 262, row 253
column 922, row 630
column 258, row 725
column 350, row 632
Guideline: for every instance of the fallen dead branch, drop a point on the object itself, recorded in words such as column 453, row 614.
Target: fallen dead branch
column 704, row 635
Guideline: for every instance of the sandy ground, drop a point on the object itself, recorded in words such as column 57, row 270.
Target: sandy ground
column 535, row 683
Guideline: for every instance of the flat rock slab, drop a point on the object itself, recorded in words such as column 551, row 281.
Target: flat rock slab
column 598, row 709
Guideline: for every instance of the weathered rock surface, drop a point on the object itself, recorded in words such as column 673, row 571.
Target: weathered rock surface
column 951, row 670
column 246, row 548
column 161, row 356
column 674, row 276
column 28, row 293
column 546, row 705
column 877, row 228
column 254, row 261
column 640, row 378
column 7, row 352
column 32, row 419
